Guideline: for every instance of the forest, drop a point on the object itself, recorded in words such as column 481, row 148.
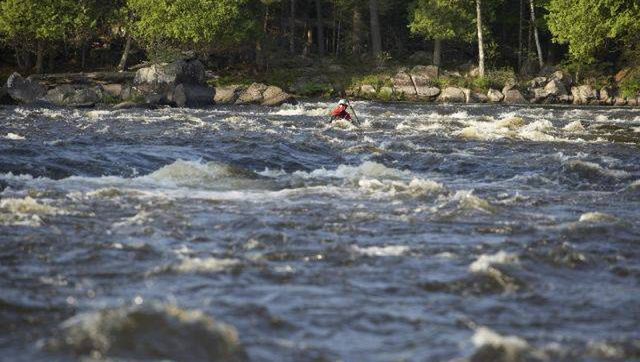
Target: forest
column 594, row 40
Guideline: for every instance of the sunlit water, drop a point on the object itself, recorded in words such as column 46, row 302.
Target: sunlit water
column 426, row 234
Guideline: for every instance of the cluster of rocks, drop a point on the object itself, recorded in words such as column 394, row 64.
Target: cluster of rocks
column 180, row 84
column 421, row 84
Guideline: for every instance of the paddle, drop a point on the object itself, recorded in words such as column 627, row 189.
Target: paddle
column 354, row 112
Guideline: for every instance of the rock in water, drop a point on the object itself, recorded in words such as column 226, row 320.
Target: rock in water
column 154, row 332
column 275, row 96
column 227, row 94
column 24, row 90
column 452, row 95
column 172, row 74
column 495, row 96
column 253, row 94
column 75, row 96
column 513, row 96
column 190, row 95
column 584, row 94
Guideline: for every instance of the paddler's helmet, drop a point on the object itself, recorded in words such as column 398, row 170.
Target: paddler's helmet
column 343, row 102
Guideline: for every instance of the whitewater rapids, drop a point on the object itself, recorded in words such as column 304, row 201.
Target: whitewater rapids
column 430, row 233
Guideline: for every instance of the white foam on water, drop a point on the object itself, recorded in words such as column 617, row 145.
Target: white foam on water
column 591, row 167
column 311, row 110
column 14, row 137
column 368, row 169
column 468, row 201
column 597, row 217
column 575, row 126
column 390, row 250
column 484, row 336
column 484, row 262
column 205, row 265
column 25, row 211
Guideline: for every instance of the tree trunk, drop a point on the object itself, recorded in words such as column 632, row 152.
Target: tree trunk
column 292, row 27
column 520, row 32
column 320, row 28
column 19, row 62
column 437, row 52
column 376, row 39
column 40, row 57
column 480, row 39
column 83, row 55
column 535, row 33
column 356, row 31
column 125, row 55
column 51, row 55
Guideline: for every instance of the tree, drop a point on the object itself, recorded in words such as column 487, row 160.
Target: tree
column 480, row 38
column 441, row 20
column 535, row 32
column 190, row 24
column 376, row 38
column 588, row 26
column 27, row 22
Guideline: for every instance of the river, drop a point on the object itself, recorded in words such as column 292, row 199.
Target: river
column 431, row 233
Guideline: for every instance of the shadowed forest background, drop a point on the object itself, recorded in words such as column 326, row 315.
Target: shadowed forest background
column 276, row 39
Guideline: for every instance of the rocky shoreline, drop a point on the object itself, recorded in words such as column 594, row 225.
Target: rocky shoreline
column 185, row 83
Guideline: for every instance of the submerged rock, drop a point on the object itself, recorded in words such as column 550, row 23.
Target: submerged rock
column 154, row 332
column 24, row 90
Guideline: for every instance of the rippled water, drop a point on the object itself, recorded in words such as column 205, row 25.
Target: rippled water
column 433, row 233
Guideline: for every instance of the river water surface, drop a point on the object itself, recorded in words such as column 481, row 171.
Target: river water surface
column 432, row 233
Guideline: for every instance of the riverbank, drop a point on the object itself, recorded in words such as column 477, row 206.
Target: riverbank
column 187, row 83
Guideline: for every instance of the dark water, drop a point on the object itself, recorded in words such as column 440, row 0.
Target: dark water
column 434, row 233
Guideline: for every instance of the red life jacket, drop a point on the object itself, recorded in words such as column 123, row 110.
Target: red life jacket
column 340, row 113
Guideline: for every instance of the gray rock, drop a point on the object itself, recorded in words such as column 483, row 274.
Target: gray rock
column 509, row 85
column 24, row 90
column 367, row 89
column 192, row 95
column 619, row 101
column 253, row 94
column 539, row 95
column 155, row 99
column 607, row 96
column 227, row 94
column 275, row 96
column 584, row 94
column 514, row 96
column 452, row 95
column 495, row 96
column 403, row 84
column 474, row 97
column 129, row 105
column 563, row 77
column 429, row 93
column 538, row 82
column 113, row 90
column 566, row 99
column 161, row 76
column 556, row 88
column 633, row 102
column 75, row 96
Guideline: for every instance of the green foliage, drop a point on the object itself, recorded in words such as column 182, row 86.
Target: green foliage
column 589, row 26
column 442, row 19
column 630, row 85
column 190, row 24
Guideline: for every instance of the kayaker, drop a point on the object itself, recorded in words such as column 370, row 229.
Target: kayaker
column 340, row 112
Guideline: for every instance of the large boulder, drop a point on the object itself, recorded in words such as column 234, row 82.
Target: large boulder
column 253, row 94
column 24, row 90
column 563, row 77
column 275, row 96
column 495, row 96
column 113, row 90
column 538, row 82
column 172, row 74
column 424, row 74
column 556, row 88
column 452, row 95
column 584, row 94
column 227, row 94
column 539, row 95
column 403, row 84
column 75, row 96
column 607, row 96
column 192, row 95
column 474, row 97
column 513, row 96
column 509, row 85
